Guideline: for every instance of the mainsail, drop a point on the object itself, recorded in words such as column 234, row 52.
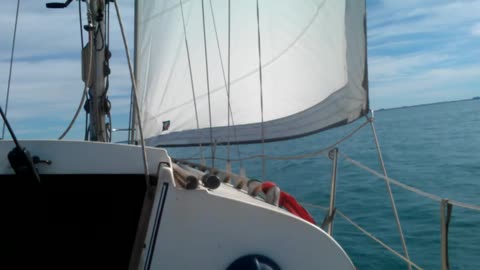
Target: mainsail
column 198, row 69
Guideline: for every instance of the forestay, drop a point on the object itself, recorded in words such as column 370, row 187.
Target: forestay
column 313, row 55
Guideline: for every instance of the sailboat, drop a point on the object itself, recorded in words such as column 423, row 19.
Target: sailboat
column 205, row 74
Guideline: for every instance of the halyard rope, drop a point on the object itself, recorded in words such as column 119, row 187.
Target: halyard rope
column 191, row 76
column 212, row 146
column 132, row 77
column 11, row 66
column 389, row 190
column 227, row 83
column 261, row 88
column 87, row 79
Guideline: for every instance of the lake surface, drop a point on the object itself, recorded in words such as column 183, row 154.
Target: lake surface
column 435, row 148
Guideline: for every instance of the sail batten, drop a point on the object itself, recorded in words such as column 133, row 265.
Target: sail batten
column 313, row 64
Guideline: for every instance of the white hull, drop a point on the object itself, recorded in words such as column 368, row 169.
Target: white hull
column 193, row 229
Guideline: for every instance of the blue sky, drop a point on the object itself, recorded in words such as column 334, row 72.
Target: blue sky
column 423, row 51
column 420, row 51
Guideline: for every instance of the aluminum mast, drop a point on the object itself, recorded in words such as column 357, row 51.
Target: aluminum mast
column 98, row 99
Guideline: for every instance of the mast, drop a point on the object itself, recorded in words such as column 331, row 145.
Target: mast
column 97, row 105
column 98, row 98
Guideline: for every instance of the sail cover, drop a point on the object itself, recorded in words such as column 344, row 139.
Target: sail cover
column 196, row 87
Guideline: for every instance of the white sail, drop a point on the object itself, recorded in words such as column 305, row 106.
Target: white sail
column 313, row 55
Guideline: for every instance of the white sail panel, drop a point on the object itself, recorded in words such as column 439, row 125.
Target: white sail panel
column 313, row 56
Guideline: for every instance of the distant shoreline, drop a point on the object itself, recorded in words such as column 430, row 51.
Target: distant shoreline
column 425, row 104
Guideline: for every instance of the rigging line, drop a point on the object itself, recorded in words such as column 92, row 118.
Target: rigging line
column 132, row 77
column 131, row 117
column 97, row 32
column 82, row 44
column 371, row 236
column 85, row 138
column 407, row 187
column 227, row 86
column 390, row 193
column 108, row 23
column 465, row 205
column 261, row 88
column 229, row 112
column 11, row 66
column 129, row 139
column 208, row 85
column 229, row 79
column 191, row 76
column 265, row 65
column 220, row 55
column 107, row 49
column 80, row 20
column 85, row 87
column 393, row 181
column 10, row 130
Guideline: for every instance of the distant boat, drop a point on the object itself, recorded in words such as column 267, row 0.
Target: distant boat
column 476, row 98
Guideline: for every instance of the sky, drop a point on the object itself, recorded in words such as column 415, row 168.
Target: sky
column 419, row 51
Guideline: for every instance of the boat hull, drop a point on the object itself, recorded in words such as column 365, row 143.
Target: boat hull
column 95, row 195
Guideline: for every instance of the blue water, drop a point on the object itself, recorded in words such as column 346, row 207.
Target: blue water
column 435, row 148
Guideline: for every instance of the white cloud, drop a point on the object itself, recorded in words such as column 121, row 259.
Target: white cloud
column 46, row 80
column 441, row 17
column 423, row 51
column 476, row 29
column 429, row 85
column 419, row 52
column 384, row 68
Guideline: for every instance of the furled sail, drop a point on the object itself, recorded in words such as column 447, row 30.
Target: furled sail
column 196, row 87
